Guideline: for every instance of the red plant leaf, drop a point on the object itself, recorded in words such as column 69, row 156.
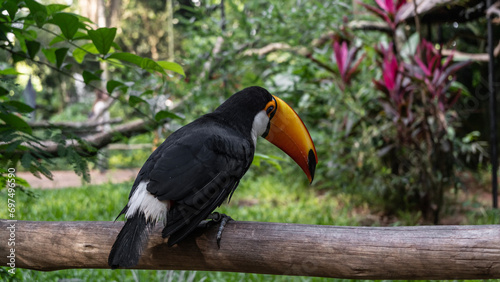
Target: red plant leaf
column 373, row 9
column 386, row 5
column 399, row 4
column 422, row 66
column 353, row 69
column 390, row 71
column 340, row 51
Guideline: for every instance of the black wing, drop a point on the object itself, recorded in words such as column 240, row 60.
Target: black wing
column 197, row 169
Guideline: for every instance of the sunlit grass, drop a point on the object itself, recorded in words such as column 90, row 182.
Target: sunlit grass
column 277, row 198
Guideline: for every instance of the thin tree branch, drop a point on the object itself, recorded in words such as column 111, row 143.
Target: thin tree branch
column 96, row 141
column 70, row 125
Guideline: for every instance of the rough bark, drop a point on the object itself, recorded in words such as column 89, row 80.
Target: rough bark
column 421, row 252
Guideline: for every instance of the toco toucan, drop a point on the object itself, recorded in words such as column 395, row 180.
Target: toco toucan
column 200, row 165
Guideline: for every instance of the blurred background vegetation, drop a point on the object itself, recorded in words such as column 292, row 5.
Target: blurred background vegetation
column 382, row 160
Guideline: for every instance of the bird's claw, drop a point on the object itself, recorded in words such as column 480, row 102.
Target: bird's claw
column 222, row 219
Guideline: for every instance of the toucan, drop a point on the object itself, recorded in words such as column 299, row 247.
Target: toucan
column 200, row 165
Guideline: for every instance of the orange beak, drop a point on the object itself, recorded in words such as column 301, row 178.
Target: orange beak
column 288, row 132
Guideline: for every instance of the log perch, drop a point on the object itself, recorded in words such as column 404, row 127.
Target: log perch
column 420, row 252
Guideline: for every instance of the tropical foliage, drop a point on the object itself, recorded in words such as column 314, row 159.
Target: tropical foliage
column 395, row 122
column 66, row 43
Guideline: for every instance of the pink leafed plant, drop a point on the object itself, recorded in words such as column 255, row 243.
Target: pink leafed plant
column 346, row 60
column 427, row 67
column 387, row 10
column 398, row 92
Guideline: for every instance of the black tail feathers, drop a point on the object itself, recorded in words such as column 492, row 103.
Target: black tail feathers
column 130, row 242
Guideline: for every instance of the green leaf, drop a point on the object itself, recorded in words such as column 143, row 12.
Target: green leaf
column 88, row 77
column 3, row 34
column 68, row 23
column 11, row 7
column 166, row 114
column 68, row 67
column 84, row 20
column 457, row 86
column 18, row 56
column 126, row 57
column 26, row 160
column 15, row 145
column 171, row 66
column 22, row 43
column 103, row 38
column 54, row 8
column 20, row 107
column 150, row 65
column 410, row 46
column 116, row 46
column 56, row 39
column 80, row 36
column 147, row 93
column 112, row 84
column 33, row 48
column 9, row 71
column 3, row 91
column 134, row 100
column 144, row 63
column 60, row 56
column 30, row 34
column 50, row 54
column 16, row 122
column 79, row 53
column 37, row 11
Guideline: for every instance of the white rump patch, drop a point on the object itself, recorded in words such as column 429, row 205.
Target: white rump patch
column 142, row 201
column 259, row 126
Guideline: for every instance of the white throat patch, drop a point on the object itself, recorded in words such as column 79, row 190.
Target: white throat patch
column 259, row 126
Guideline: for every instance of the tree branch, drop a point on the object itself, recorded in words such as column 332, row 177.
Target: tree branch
column 322, row 40
column 439, row 11
column 70, row 125
column 420, row 252
column 97, row 141
column 482, row 57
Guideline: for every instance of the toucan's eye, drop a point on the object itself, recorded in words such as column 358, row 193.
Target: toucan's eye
column 269, row 110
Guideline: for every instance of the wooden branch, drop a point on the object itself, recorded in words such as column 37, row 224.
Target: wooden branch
column 69, row 125
column 97, row 141
column 208, row 63
column 110, row 101
column 130, row 146
column 420, row 252
column 439, row 11
column 457, row 55
column 369, row 25
column 316, row 43
column 271, row 47
column 481, row 57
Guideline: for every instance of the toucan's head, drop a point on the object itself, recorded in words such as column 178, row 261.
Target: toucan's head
column 268, row 116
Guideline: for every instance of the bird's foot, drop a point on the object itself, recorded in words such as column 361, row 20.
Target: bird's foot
column 222, row 219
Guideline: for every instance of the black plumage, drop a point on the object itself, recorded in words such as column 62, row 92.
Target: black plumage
column 194, row 170
column 200, row 165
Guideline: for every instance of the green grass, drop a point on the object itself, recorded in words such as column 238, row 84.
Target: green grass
column 272, row 199
column 280, row 198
